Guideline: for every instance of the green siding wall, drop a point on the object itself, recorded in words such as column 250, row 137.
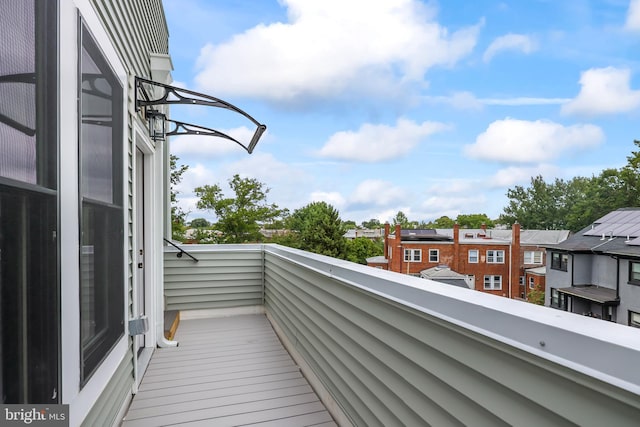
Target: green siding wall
column 386, row 363
column 224, row 277
column 113, row 397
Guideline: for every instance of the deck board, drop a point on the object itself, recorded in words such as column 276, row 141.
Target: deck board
column 229, row 371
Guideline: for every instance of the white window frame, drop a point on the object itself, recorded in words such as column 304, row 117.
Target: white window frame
column 81, row 400
column 494, row 282
column 473, row 259
column 495, row 256
column 435, row 252
column 533, row 257
column 532, row 282
column 412, row 255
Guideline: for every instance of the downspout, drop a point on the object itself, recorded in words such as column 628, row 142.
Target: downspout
column 510, row 266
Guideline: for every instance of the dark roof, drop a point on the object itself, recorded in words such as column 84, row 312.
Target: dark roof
column 593, row 293
column 621, row 239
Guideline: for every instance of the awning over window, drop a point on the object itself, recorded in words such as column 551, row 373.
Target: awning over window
column 593, row 293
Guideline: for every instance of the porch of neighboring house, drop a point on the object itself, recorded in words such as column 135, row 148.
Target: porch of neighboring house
column 227, row 371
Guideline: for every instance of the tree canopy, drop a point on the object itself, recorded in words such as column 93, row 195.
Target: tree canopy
column 361, row 248
column 574, row 204
column 317, row 228
column 178, row 216
column 239, row 218
column 199, row 223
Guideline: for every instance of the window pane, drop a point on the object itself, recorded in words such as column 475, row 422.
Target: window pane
column 29, row 283
column 18, row 92
column 102, row 263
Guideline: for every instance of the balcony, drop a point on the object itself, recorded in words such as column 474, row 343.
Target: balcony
column 383, row 349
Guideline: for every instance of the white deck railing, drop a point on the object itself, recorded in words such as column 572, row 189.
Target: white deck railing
column 398, row 350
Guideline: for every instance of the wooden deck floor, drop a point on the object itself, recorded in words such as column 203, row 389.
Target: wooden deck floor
column 229, row 371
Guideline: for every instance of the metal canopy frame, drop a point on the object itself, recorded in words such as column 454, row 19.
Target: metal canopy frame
column 175, row 95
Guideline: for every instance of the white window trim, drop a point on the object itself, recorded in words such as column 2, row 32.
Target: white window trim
column 492, row 282
column 82, row 400
column 530, row 257
column 493, row 259
column 410, row 255
column 532, row 283
column 477, row 256
column 437, row 254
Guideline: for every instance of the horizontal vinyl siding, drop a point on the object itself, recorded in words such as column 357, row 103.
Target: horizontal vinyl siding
column 386, row 363
column 222, row 278
column 112, row 399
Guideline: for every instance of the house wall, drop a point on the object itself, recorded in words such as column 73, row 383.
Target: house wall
column 604, row 271
column 629, row 295
column 126, row 33
column 582, row 269
column 455, row 254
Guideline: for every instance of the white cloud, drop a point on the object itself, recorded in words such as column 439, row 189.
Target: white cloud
column 333, row 198
column 521, row 141
column 468, row 101
column 604, row 91
column 377, row 192
column 514, row 175
column 437, row 206
column 523, row 101
column 633, row 16
column 331, row 46
column 375, row 143
column 511, row 42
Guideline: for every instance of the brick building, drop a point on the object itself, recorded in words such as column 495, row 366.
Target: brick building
column 494, row 260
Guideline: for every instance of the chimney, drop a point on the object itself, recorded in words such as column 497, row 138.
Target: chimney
column 456, row 247
column 514, row 290
column 386, row 240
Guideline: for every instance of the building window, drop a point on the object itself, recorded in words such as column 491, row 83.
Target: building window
column 473, row 256
column 434, row 255
column 495, row 257
column 521, row 280
column 533, row 257
column 493, row 283
column 559, row 261
column 558, row 300
column 532, row 283
column 29, row 244
column 634, row 319
column 634, row 273
column 390, row 252
column 102, row 281
column 412, row 255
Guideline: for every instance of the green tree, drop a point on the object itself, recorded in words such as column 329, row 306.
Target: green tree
column 350, row 224
column 402, row 219
column 200, row 223
column 361, row 248
column 474, row 221
column 317, row 228
column 443, row 222
column 178, row 216
column 371, row 224
column 239, row 218
column 539, row 206
column 536, row 296
column 576, row 203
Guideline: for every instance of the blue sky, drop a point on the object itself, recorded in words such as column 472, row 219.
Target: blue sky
column 431, row 108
